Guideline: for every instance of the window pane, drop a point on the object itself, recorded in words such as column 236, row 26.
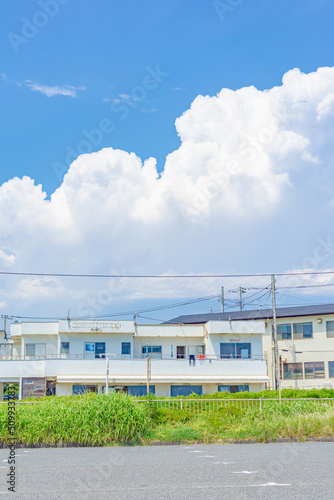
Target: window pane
column 314, row 370
column 153, row 350
column 307, row 330
column 30, row 349
column 227, row 350
column 140, row 390
column 331, row 368
column 65, row 348
column 293, row 370
column 284, row 332
column 302, row 331
column 330, row 328
column 185, row 390
column 243, row 350
column 100, row 349
column 126, row 348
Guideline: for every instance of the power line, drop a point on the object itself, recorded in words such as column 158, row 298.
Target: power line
column 166, row 276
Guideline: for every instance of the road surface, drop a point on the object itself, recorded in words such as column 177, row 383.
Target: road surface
column 252, row 471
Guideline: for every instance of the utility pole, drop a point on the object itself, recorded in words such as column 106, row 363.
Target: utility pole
column 148, row 374
column 107, row 374
column 5, row 317
column 241, row 291
column 273, row 293
column 222, row 298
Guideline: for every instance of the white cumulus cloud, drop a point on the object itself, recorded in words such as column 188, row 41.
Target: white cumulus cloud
column 239, row 194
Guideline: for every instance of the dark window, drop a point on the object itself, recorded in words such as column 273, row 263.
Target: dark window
column 180, row 352
column 140, row 390
column 331, row 368
column 330, row 329
column 64, row 348
column 284, row 332
column 185, row 390
column 314, row 370
column 126, row 348
column 293, row 370
column 233, row 388
column 233, row 350
column 302, row 331
column 100, row 349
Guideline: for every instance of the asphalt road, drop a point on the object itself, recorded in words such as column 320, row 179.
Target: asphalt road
column 261, row 471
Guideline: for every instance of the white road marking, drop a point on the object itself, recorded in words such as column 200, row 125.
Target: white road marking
column 246, row 472
column 224, row 463
column 273, row 484
column 208, row 456
column 195, row 451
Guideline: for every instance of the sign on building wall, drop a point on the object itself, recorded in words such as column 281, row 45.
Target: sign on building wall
column 95, row 326
column 33, row 387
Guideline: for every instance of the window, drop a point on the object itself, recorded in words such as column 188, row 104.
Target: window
column 314, row 370
column 302, row 331
column 180, row 352
column 284, row 332
column 330, row 329
column 126, row 349
column 233, row 350
column 81, row 389
column 293, row 370
column 95, row 349
column 154, row 351
column 89, row 349
column 233, row 388
column 100, row 349
column 65, row 348
column 185, row 390
column 331, row 369
column 140, row 390
column 35, row 350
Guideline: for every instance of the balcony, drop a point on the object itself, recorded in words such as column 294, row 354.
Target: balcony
column 124, row 371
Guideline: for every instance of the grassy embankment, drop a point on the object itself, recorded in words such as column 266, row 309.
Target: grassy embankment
column 97, row 420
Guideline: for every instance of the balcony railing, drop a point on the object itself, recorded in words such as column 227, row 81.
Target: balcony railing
column 125, row 357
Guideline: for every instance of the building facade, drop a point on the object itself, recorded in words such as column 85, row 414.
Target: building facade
column 305, row 342
column 69, row 357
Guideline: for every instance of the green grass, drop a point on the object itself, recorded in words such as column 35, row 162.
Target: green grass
column 100, row 420
column 87, row 420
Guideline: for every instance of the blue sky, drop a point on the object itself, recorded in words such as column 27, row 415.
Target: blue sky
column 95, row 62
column 106, row 44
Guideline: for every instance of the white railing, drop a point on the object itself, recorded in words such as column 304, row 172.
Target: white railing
column 200, row 405
column 126, row 357
column 206, row 405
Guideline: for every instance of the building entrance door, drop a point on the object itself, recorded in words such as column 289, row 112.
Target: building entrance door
column 180, row 352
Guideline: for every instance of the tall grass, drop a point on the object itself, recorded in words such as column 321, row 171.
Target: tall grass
column 97, row 420
column 91, row 420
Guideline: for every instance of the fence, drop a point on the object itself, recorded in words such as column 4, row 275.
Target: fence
column 200, row 405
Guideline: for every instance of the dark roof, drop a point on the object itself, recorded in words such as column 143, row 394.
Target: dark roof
column 281, row 312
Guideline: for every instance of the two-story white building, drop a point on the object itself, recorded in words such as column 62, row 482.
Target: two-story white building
column 68, row 357
column 305, row 341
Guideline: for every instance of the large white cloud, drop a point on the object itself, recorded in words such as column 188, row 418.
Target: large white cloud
column 246, row 158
